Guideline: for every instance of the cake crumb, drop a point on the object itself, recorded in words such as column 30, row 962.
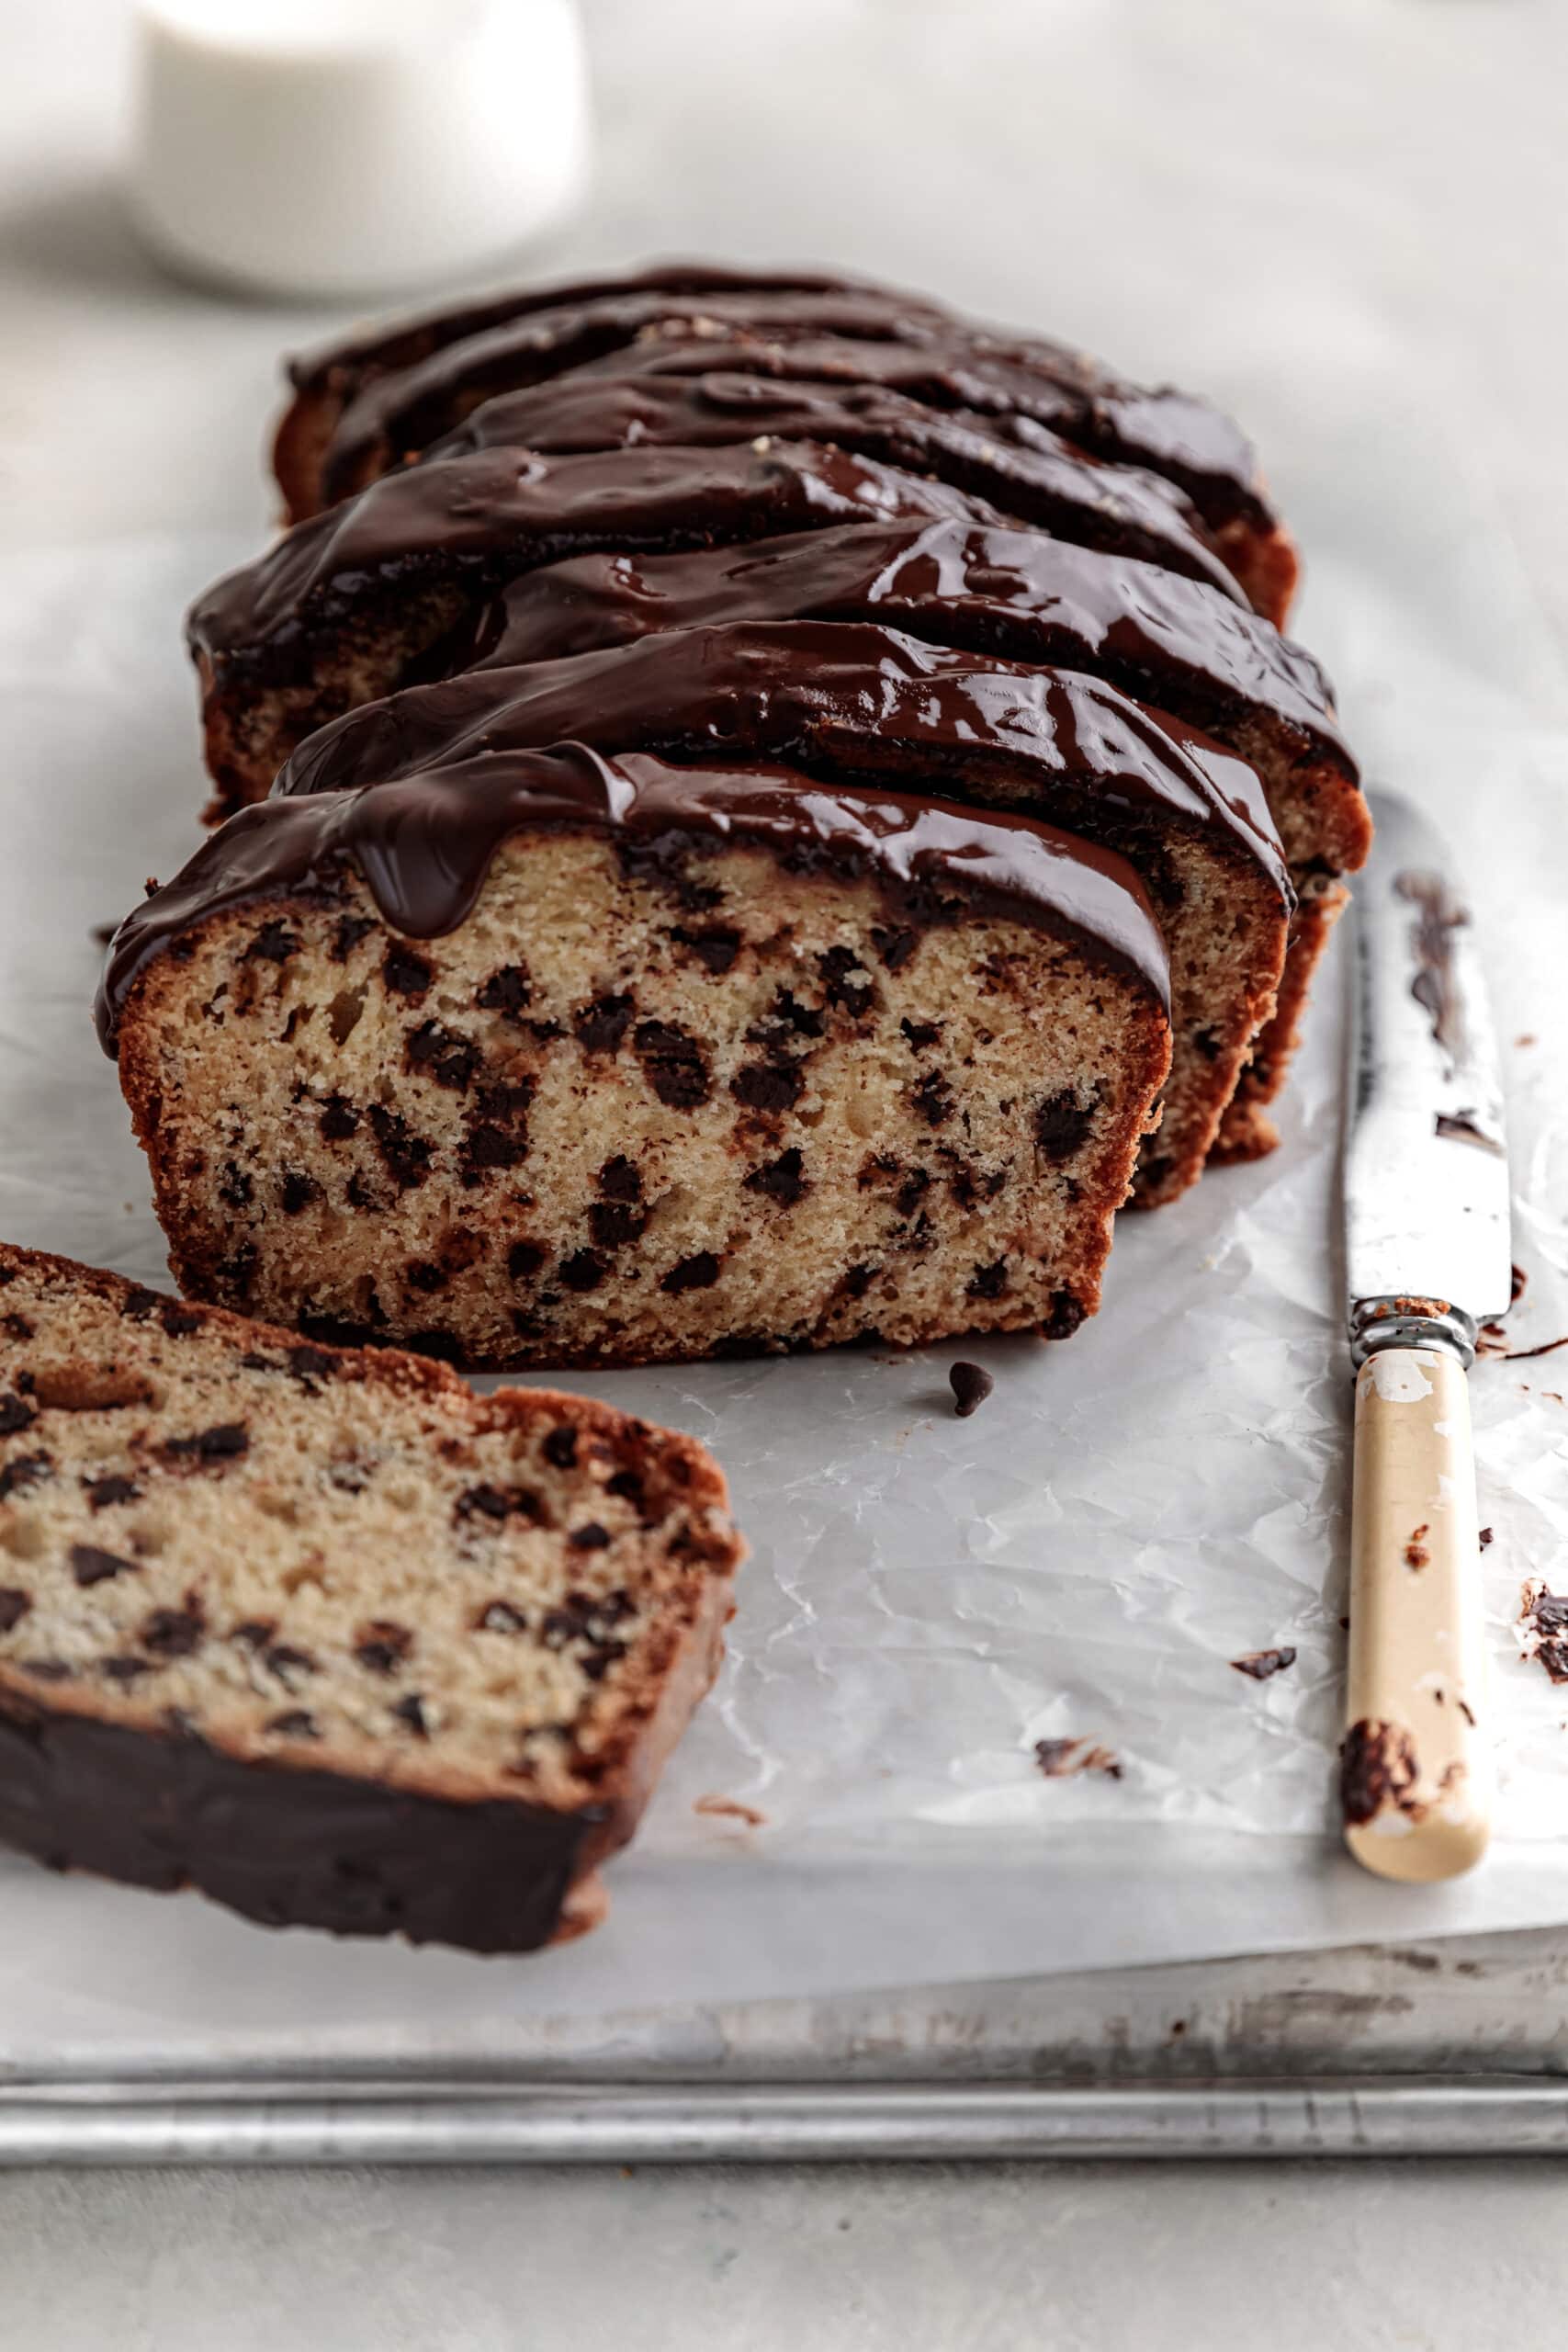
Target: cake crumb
column 731, row 1809
column 1059, row 1758
column 1261, row 1663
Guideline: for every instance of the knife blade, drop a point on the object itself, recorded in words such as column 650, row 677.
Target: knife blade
column 1428, row 1259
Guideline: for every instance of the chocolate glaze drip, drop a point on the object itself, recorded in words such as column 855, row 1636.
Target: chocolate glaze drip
column 484, row 518
column 839, row 700
column 962, row 366
column 1122, row 508
column 1008, row 594
column 435, row 802
column 280, row 1845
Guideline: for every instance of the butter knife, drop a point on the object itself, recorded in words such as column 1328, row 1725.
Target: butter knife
column 1425, row 1198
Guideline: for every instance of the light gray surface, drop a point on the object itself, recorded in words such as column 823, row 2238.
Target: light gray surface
column 1264, row 200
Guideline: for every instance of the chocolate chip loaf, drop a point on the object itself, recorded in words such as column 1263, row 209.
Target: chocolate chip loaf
column 851, row 701
column 325, row 1634
column 536, row 1057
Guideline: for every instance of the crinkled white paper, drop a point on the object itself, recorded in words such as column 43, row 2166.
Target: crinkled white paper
column 928, row 1598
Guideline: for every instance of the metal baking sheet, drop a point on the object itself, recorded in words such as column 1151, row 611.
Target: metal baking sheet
column 929, row 1598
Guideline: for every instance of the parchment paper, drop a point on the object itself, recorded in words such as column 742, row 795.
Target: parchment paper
column 929, row 1597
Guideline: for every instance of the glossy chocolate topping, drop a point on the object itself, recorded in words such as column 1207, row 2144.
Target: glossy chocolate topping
column 1008, row 594
column 949, row 363
column 486, row 517
column 1119, row 508
column 840, row 700
column 433, row 803
column 283, row 1845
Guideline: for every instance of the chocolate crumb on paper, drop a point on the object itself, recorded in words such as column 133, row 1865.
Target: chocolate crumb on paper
column 1486, row 1539
column 1261, row 1663
column 1059, row 1758
column 1543, row 1628
column 1416, row 1553
column 970, row 1384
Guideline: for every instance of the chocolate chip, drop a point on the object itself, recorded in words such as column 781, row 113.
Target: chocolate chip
column 498, row 1503
column 589, row 1537
column 804, row 1020
column 715, row 948
column 311, row 1363
column 767, row 1086
column 405, row 1154
column 524, row 1260
column 174, row 1633
column 1261, row 1663
column 559, row 1448
column 1486, row 1539
column 16, row 1414
column 582, row 1272
column 895, row 947
column 600, row 1025
column 780, row 1180
column 627, row 1486
column 27, row 1470
column 912, row 1190
column 113, row 1488
column 500, row 1617
column 1207, row 1043
column 46, row 1669
column 139, row 1302
column 405, row 973
column 933, row 1098
column 383, row 1646
column 255, row 1631
column 1061, row 1125
column 697, row 1272
column 297, row 1191
column 410, row 1713
column 444, row 1055
column 621, row 1180
column 844, row 984
column 350, row 930
column 1064, row 1315
column 340, row 1119
column 855, row 1281
column 970, row 1384
column 921, row 1034
column 988, row 1281
column 508, row 991
column 221, row 1443
column 90, row 1566
column 13, row 1606
column 613, row 1224
column 674, row 1064
column 273, row 944
column 294, row 1722
column 289, row 1664
column 179, row 1322
column 16, row 1327
column 486, row 1148
column 126, row 1670
column 422, row 1275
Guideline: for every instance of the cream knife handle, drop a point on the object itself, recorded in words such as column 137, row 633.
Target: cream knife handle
column 1414, row 1775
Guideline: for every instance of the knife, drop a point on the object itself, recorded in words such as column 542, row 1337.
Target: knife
column 1425, row 1198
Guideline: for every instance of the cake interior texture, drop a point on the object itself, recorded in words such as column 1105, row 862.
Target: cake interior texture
column 331, row 1578
column 640, row 1108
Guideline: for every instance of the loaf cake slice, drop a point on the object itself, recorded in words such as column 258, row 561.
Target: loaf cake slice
column 1019, row 595
column 1124, row 509
column 538, row 1057
column 350, row 606
column 402, row 410
column 856, row 701
column 323, row 1634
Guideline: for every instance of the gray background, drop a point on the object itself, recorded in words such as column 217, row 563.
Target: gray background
column 1271, row 201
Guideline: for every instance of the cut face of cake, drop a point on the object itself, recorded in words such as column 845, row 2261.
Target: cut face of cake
column 855, row 702
column 536, row 1057
column 347, row 608
column 323, row 1634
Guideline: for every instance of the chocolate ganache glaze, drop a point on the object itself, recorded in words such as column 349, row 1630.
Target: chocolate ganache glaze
column 839, row 700
column 1120, row 508
column 482, row 518
column 405, row 409
column 1013, row 594
column 423, row 822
